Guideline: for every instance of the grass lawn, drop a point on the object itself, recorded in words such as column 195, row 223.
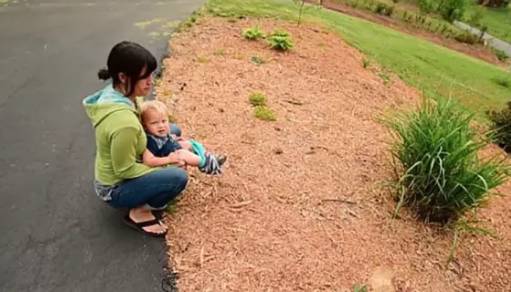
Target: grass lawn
column 437, row 71
column 498, row 20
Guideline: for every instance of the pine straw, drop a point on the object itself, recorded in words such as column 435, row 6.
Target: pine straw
column 302, row 203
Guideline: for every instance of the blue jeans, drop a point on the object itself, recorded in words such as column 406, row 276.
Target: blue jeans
column 155, row 189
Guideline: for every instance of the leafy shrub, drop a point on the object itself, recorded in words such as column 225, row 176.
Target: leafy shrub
column 384, row 9
column 427, row 6
column 257, row 99
column 280, row 40
column 501, row 55
column 466, row 37
column 253, row 33
column 452, row 10
column 264, row 113
column 442, row 176
column 501, row 126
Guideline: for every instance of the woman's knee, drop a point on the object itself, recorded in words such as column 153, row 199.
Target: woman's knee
column 177, row 177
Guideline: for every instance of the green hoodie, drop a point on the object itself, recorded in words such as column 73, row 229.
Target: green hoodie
column 120, row 138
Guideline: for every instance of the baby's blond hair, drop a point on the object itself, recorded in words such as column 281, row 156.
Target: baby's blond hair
column 156, row 105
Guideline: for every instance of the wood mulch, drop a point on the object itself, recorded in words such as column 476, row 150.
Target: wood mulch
column 303, row 203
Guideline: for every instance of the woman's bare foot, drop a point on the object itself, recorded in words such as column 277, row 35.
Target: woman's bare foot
column 142, row 214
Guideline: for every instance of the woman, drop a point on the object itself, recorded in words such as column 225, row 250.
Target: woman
column 120, row 179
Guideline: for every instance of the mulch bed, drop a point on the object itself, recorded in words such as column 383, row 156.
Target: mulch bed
column 303, row 203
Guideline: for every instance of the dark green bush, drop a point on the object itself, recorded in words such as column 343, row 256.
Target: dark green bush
column 440, row 174
column 452, row 10
column 501, row 126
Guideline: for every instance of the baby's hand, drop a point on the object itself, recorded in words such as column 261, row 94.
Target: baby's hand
column 176, row 159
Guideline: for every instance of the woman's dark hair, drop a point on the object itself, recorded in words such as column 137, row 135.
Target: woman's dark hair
column 131, row 59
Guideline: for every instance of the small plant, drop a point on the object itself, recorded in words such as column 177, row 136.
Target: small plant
column 501, row 55
column 384, row 9
column 384, row 76
column 257, row 99
column 366, row 63
column 503, row 81
column 440, row 174
column 202, row 59
column 466, row 37
column 257, row 60
column 253, row 33
column 501, row 126
column 219, row 52
column 280, row 40
column 264, row 113
column 359, row 288
column 301, row 3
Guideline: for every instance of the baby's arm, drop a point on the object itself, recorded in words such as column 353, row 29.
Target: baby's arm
column 149, row 159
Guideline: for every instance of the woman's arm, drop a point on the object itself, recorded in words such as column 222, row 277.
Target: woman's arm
column 124, row 155
column 150, row 160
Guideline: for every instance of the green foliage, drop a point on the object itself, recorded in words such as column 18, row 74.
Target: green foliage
column 501, row 126
column 366, row 63
column 501, row 55
column 441, row 175
column 280, row 40
column 384, row 9
column 503, row 81
column 452, row 10
column 427, row 6
column 466, row 37
column 264, row 113
column 253, row 33
column 257, row 60
column 257, row 99
column 359, row 288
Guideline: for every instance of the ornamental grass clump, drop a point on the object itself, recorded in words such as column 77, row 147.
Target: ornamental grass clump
column 440, row 174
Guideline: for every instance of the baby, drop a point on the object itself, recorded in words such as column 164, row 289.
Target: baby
column 164, row 147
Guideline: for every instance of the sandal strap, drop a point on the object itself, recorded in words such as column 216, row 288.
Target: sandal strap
column 147, row 223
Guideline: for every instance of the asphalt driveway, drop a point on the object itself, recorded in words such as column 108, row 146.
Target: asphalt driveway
column 56, row 235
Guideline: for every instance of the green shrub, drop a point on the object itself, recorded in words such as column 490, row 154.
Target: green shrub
column 253, row 33
column 257, row 99
column 466, row 37
column 501, row 55
column 452, row 10
column 441, row 175
column 501, row 126
column 280, row 40
column 384, row 9
column 427, row 6
column 264, row 113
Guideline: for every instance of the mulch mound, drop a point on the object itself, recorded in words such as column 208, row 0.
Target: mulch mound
column 303, row 203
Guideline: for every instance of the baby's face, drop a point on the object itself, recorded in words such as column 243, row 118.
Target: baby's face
column 156, row 123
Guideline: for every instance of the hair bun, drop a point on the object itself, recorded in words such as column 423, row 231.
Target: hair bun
column 104, row 74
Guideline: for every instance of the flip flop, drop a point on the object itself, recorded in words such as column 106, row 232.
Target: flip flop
column 158, row 214
column 139, row 226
